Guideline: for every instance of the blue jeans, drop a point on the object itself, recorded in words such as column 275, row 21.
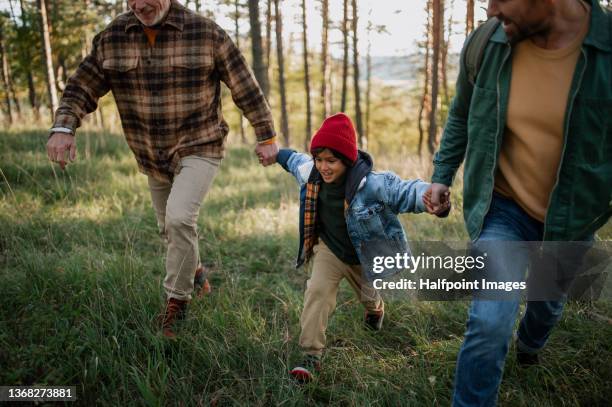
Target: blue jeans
column 490, row 323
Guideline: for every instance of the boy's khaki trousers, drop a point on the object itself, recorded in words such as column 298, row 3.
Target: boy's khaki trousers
column 320, row 296
column 177, row 205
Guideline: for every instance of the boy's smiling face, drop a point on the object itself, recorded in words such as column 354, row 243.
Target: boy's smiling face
column 329, row 166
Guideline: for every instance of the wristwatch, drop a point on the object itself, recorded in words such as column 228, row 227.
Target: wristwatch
column 60, row 130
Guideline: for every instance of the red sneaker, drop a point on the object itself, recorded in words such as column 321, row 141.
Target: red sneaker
column 305, row 371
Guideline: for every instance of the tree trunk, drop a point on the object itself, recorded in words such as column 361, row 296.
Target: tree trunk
column 324, row 58
column 358, row 122
column 61, row 72
column 437, row 27
column 47, row 57
column 306, row 78
column 469, row 18
column 281, row 72
column 5, row 81
column 25, row 51
column 268, row 35
column 330, row 85
column 425, row 100
column 12, row 90
column 443, row 66
column 32, row 97
column 345, row 56
column 237, row 28
column 256, row 47
column 368, row 100
column 100, row 115
column 9, row 79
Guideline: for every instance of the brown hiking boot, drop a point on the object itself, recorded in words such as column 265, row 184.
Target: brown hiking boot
column 175, row 310
column 201, row 286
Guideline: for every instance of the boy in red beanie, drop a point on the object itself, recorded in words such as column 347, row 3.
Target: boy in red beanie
column 343, row 205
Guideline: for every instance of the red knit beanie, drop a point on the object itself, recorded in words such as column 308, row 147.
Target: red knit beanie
column 337, row 133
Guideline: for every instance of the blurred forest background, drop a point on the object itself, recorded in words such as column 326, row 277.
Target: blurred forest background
column 315, row 62
column 81, row 262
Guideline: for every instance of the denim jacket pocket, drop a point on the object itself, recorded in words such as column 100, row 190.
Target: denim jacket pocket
column 369, row 221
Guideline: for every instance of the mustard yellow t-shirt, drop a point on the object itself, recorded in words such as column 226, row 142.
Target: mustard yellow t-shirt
column 533, row 138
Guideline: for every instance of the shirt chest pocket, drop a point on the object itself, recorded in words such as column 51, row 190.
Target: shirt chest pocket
column 122, row 73
column 592, row 123
column 191, row 72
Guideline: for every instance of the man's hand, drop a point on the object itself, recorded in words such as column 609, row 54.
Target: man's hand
column 267, row 153
column 58, row 146
column 437, row 199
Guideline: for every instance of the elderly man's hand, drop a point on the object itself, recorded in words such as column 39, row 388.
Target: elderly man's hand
column 267, row 153
column 58, row 146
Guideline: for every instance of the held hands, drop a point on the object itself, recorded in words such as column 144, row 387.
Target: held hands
column 437, row 200
column 267, row 153
column 58, row 145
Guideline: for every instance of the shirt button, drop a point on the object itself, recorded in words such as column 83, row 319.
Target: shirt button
column 149, row 62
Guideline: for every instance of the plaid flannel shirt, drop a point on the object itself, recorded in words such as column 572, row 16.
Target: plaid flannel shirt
column 169, row 94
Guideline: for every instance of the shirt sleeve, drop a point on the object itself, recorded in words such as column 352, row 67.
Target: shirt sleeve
column 454, row 140
column 82, row 91
column 235, row 72
column 299, row 165
column 404, row 196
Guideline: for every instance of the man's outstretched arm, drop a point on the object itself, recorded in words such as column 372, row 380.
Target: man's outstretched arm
column 247, row 95
column 451, row 153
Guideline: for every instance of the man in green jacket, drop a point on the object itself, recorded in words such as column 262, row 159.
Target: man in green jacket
column 535, row 131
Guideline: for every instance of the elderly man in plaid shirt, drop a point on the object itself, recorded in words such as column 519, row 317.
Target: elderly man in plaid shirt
column 164, row 65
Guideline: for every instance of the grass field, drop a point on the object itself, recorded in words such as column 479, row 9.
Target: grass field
column 81, row 267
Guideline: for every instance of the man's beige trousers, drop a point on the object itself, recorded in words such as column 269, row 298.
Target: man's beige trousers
column 320, row 297
column 177, row 205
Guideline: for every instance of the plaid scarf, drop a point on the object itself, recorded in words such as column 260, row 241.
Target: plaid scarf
column 310, row 218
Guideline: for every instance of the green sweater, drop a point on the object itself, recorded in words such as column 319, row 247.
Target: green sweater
column 331, row 225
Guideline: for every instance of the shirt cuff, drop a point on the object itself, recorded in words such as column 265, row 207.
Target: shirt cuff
column 264, row 132
column 65, row 120
column 443, row 175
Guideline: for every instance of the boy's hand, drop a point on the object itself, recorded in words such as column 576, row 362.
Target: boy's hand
column 442, row 208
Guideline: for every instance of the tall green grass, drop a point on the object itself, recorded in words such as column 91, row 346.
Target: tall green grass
column 81, row 267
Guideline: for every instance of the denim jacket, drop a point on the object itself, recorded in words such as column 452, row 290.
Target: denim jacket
column 371, row 214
